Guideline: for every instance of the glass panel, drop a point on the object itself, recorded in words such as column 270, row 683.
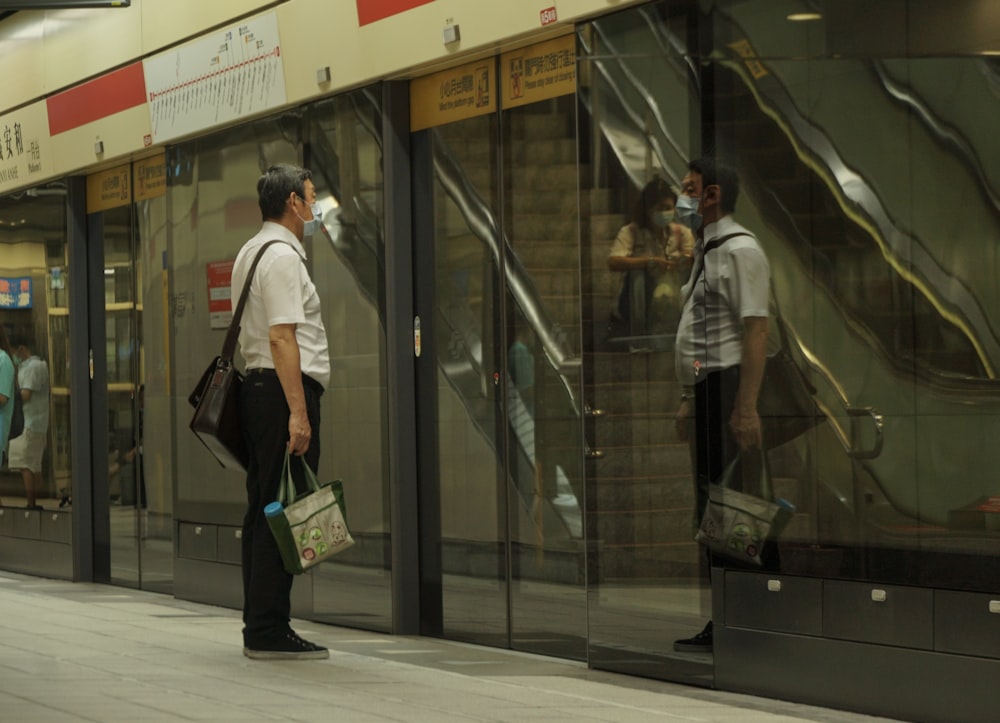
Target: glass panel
column 472, row 507
column 212, row 201
column 544, row 407
column 647, row 579
column 123, row 354
column 154, row 495
column 883, row 260
column 348, row 269
column 35, row 318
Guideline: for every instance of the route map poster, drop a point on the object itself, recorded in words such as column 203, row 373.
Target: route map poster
column 229, row 74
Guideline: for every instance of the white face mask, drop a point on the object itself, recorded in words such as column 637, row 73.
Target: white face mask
column 687, row 212
column 311, row 226
column 662, row 219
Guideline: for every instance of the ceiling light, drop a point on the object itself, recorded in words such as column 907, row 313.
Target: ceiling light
column 804, row 17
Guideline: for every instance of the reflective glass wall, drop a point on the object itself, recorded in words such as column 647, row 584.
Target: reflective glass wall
column 639, row 107
column 34, row 313
column 544, row 408
column 860, row 133
column 152, row 491
column 497, row 278
column 881, row 237
column 126, row 208
column 345, row 156
column 213, row 210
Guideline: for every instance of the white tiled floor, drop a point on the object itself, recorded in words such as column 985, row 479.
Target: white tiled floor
column 81, row 652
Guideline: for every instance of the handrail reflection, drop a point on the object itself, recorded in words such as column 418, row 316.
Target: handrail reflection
column 846, row 439
column 644, row 140
column 480, row 220
column 947, row 135
column 904, row 252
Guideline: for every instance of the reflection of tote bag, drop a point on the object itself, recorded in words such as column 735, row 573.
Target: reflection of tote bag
column 311, row 528
column 736, row 524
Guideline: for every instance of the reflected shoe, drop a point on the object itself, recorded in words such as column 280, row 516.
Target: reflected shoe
column 285, row 647
column 700, row 643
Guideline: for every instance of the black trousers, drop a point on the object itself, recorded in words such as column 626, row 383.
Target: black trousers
column 264, row 414
column 716, row 449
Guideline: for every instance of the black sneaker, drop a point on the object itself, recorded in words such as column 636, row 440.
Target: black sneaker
column 285, row 647
column 700, row 643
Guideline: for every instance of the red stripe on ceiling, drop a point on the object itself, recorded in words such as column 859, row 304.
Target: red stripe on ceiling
column 371, row 10
column 99, row 98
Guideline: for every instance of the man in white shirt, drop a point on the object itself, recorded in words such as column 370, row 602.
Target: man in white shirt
column 26, row 450
column 283, row 341
column 721, row 345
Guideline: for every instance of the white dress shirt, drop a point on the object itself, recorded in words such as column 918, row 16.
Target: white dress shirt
column 735, row 284
column 281, row 292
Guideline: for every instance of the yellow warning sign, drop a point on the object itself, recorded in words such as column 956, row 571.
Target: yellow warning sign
column 150, row 177
column 109, row 189
column 538, row 72
column 745, row 50
column 454, row 94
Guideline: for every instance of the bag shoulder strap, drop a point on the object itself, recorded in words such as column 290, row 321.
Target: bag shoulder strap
column 711, row 246
column 229, row 345
column 716, row 243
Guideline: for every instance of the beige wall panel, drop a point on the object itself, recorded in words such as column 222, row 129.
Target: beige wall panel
column 414, row 37
column 318, row 33
column 79, row 44
column 22, row 60
column 121, row 133
column 574, row 10
column 24, row 255
column 166, row 22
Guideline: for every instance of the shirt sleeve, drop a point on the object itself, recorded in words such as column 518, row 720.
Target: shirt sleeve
column 622, row 245
column 29, row 376
column 751, row 280
column 6, row 376
column 687, row 240
column 281, row 291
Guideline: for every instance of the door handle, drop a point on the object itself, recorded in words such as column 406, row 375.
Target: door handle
column 878, row 422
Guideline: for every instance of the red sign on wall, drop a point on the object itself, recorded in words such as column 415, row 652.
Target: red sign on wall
column 548, row 16
column 220, row 305
column 370, row 11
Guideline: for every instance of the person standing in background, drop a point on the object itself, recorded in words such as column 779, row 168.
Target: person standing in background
column 653, row 254
column 26, row 450
column 7, row 388
column 284, row 344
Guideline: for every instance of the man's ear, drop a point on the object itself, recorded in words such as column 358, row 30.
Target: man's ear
column 711, row 196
